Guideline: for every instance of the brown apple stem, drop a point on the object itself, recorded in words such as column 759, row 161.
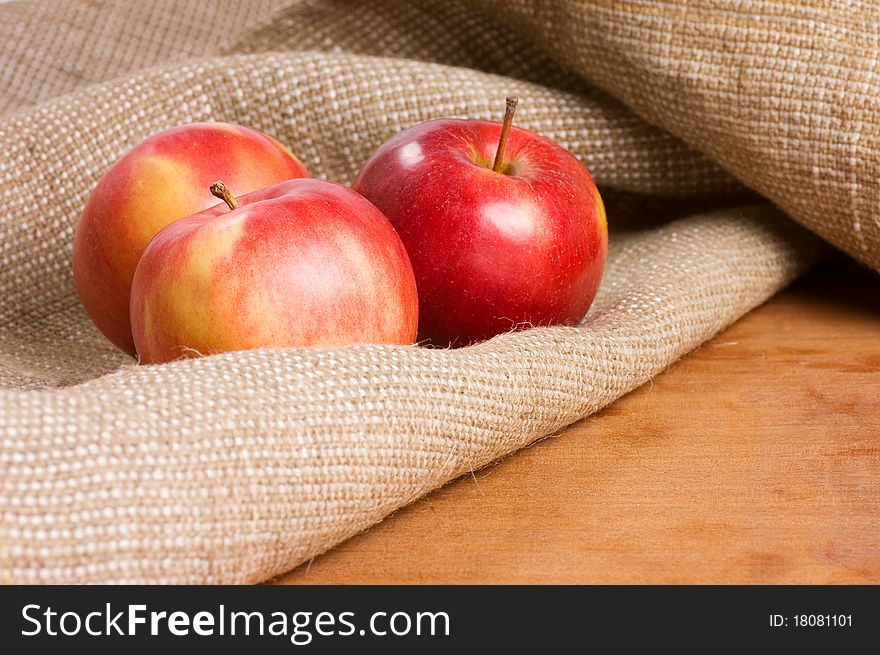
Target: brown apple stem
column 219, row 189
column 505, row 130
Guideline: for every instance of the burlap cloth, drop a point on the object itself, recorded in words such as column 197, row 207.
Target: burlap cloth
column 237, row 467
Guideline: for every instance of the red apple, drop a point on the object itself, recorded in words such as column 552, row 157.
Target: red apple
column 505, row 229
column 157, row 182
column 301, row 263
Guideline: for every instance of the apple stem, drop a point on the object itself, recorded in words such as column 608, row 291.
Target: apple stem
column 219, row 190
column 505, row 130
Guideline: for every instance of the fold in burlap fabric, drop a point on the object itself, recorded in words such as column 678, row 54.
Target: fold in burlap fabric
column 237, row 467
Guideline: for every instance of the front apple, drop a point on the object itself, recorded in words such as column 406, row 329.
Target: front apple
column 505, row 229
column 162, row 179
column 302, row 263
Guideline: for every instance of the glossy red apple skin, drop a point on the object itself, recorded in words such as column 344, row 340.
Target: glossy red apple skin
column 492, row 251
column 162, row 179
column 302, row 263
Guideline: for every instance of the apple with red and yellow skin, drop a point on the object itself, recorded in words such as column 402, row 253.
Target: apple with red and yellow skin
column 505, row 229
column 164, row 178
column 303, row 263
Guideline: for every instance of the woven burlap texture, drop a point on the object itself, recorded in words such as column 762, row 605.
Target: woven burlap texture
column 237, row 467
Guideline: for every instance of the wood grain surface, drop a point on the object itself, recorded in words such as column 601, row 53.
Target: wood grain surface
column 755, row 459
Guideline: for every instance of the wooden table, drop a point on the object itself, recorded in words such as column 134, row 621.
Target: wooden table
column 755, row 459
